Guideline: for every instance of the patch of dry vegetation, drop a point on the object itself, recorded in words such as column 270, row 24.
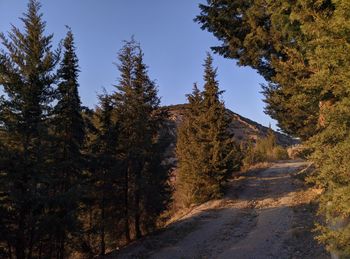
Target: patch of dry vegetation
column 263, row 152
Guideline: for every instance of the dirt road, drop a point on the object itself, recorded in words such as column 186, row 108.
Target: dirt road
column 265, row 214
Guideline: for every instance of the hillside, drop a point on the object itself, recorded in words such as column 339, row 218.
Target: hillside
column 244, row 129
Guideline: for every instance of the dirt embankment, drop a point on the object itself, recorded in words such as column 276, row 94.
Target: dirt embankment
column 265, row 214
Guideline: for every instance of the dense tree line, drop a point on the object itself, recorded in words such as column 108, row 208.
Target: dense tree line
column 302, row 50
column 75, row 180
column 206, row 150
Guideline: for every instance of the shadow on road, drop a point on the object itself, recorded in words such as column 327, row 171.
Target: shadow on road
column 265, row 214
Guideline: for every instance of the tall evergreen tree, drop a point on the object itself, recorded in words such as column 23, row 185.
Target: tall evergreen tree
column 225, row 152
column 328, row 55
column 189, row 177
column 68, row 163
column 300, row 47
column 26, row 75
column 267, row 37
column 206, row 150
column 105, row 182
column 126, row 67
column 137, row 104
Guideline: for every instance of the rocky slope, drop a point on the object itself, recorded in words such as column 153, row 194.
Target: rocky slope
column 244, row 129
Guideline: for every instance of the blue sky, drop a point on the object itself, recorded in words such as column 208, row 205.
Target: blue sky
column 173, row 44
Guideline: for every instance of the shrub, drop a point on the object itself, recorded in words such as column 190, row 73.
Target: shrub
column 280, row 153
column 264, row 150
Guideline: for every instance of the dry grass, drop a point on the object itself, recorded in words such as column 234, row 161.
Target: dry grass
column 257, row 166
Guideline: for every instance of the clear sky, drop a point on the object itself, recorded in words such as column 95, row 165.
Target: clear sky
column 174, row 47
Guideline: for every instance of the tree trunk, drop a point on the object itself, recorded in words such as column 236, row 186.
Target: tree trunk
column 126, row 205
column 137, row 193
column 9, row 250
column 102, row 233
column 62, row 248
column 102, row 242
column 137, row 214
column 20, row 240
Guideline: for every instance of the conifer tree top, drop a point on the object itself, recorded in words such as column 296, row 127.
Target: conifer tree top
column 211, row 85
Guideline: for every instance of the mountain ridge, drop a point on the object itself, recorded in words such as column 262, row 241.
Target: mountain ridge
column 239, row 123
column 244, row 130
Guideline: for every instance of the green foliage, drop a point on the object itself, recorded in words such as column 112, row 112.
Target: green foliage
column 301, row 48
column 267, row 37
column 253, row 156
column 264, row 150
column 27, row 66
column 299, row 151
column 68, row 131
column 280, row 153
column 103, row 197
column 329, row 59
column 73, row 180
column 140, row 146
column 331, row 158
column 127, row 183
column 205, row 149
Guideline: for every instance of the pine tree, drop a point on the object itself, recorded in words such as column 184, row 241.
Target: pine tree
column 301, row 48
column 156, row 190
column 187, row 149
column 267, row 37
column 137, row 104
column 206, row 151
column 105, row 180
column 327, row 53
column 68, row 162
column 223, row 148
column 126, row 67
column 26, row 74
